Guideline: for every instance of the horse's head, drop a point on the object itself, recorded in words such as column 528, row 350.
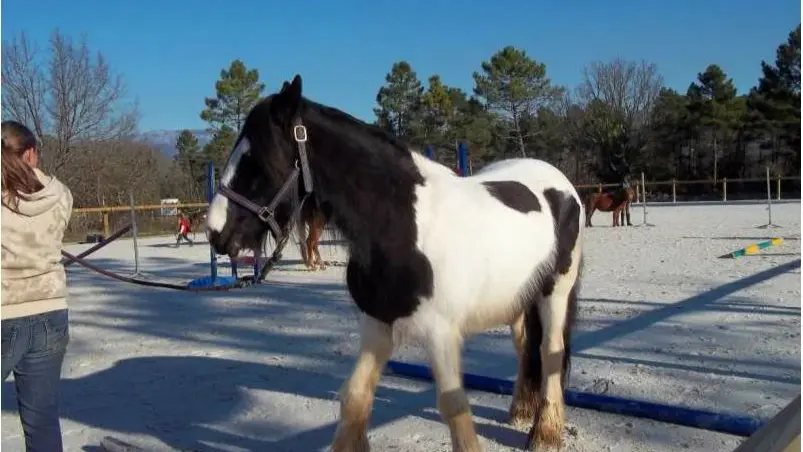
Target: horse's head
column 258, row 188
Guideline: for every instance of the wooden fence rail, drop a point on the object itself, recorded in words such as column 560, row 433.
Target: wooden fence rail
column 649, row 186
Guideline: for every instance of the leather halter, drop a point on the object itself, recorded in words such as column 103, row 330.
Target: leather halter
column 266, row 214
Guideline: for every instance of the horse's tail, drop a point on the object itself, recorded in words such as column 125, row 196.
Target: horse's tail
column 533, row 326
column 531, row 356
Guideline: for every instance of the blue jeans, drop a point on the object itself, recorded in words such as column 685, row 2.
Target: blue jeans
column 34, row 347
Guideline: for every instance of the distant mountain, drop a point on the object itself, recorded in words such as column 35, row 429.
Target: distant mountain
column 165, row 140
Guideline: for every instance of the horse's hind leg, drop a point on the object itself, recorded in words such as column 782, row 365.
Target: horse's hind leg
column 627, row 213
column 443, row 347
column 357, row 393
column 556, row 313
column 528, row 381
column 311, row 246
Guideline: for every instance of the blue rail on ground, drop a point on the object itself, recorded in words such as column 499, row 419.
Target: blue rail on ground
column 732, row 424
column 208, row 281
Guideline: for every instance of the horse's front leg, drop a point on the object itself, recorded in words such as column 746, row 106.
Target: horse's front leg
column 627, row 213
column 316, row 231
column 443, row 346
column 316, row 251
column 357, row 394
column 310, row 250
column 318, row 259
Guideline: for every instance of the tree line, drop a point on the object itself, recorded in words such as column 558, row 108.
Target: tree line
column 620, row 120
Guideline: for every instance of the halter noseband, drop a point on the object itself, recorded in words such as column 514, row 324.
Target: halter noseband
column 266, row 214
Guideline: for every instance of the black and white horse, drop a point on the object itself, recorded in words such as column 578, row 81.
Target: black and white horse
column 433, row 257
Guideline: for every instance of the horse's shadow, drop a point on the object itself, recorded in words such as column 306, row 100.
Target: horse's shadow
column 185, row 402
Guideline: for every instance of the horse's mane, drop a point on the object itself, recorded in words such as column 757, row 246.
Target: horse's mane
column 372, row 130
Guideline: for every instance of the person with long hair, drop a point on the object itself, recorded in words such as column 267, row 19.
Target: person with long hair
column 34, row 315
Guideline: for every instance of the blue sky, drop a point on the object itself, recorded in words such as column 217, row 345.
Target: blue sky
column 171, row 52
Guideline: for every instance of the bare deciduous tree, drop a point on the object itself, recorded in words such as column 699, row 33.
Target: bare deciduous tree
column 618, row 97
column 103, row 172
column 76, row 99
column 630, row 88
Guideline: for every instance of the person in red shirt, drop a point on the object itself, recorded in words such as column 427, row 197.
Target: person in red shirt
column 183, row 230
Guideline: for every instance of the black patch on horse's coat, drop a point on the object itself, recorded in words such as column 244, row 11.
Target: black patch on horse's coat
column 566, row 213
column 386, row 290
column 365, row 181
column 514, row 195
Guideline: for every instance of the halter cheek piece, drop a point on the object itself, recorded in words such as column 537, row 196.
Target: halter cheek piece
column 266, row 214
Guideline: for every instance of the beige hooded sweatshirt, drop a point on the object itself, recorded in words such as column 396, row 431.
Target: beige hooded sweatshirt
column 33, row 279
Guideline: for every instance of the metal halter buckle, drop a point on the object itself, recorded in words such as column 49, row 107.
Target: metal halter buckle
column 264, row 214
column 300, row 133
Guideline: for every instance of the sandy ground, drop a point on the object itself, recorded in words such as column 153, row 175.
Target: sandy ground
column 661, row 319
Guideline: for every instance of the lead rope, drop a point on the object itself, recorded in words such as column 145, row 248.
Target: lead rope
column 276, row 256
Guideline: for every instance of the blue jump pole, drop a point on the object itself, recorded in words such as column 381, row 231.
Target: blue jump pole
column 732, row 424
column 462, row 159
column 257, row 270
column 429, row 153
column 213, row 280
column 210, row 193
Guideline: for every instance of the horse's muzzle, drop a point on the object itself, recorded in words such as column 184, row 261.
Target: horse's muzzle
column 226, row 244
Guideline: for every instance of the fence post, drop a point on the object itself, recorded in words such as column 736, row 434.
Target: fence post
column 106, row 230
column 769, row 199
column 674, row 192
column 134, row 231
column 724, row 189
column 778, row 187
column 644, row 201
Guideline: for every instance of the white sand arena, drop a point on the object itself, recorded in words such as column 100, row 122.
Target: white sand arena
column 257, row 369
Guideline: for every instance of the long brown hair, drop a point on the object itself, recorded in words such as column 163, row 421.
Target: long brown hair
column 18, row 176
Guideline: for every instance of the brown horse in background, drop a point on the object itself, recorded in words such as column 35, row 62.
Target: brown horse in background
column 617, row 201
column 315, row 218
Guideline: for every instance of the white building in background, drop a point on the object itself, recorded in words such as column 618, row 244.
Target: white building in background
column 166, row 210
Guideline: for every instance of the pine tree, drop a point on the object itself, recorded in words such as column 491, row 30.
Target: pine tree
column 400, row 102
column 714, row 105
column 514, row 86
column 236, row 93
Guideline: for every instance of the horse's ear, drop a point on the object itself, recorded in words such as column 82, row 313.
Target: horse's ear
column 291, row 96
